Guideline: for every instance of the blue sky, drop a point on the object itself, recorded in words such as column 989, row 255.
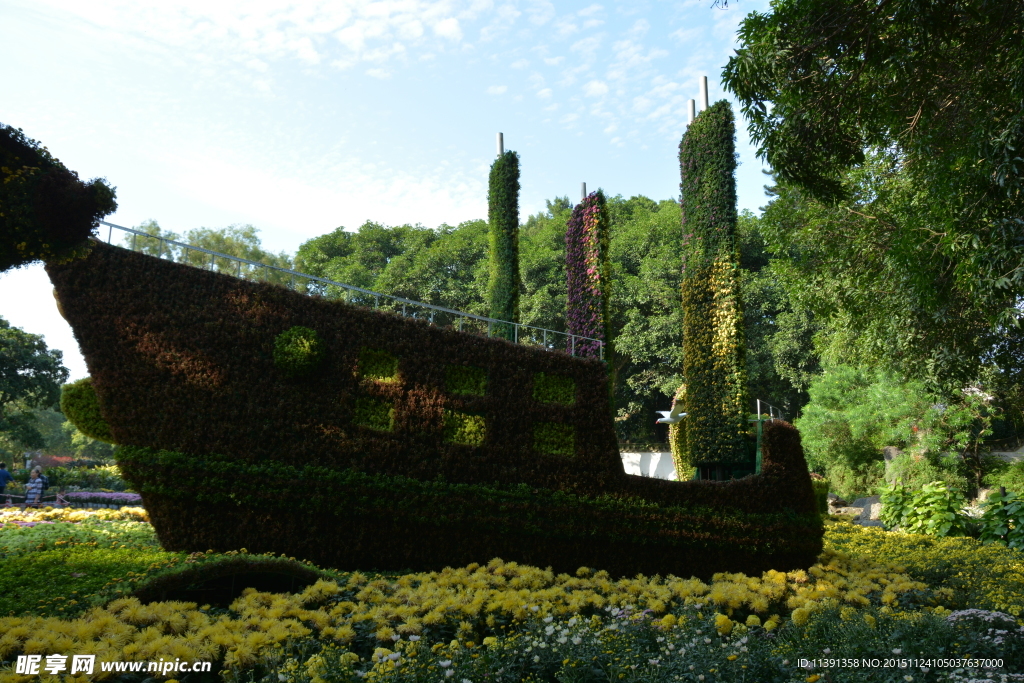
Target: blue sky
column 301, row 117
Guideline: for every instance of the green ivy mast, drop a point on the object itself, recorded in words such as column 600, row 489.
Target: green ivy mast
column 503, row 218
column 714, row 371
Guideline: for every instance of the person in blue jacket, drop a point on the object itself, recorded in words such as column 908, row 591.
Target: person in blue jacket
column 5, row 477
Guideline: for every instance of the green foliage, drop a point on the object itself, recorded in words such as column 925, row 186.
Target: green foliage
column 377, row 365
column 465, row 379
column 681, row 455
column 79, row 403
column 554, row 438
column 92, row 478
column 373, row 413
column 915, row 471
column 1002, row 520
column 48, row 213
column 30, row 377
column 503, row 218
column 1007, row 475
column 923, row 230
column 548, row 388
column 926, row 233
column 463, row 429
column 714, row 364
column 934, row 510
column 855, row 412
column 821, row 488
column 298, row 351
column 241, row 241
column 63, row 581
column 354, row 518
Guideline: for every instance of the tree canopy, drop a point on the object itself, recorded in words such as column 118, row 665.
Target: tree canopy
column 894, row 131
column 30, row 376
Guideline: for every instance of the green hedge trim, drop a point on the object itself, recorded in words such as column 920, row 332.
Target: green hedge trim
column 377, row 365
column 81, row 407
column 298, row 351
column 549, row 388
column 465, row 379
column 373, row 413
column 463, row 429
column 554, row 438
column 217, row 480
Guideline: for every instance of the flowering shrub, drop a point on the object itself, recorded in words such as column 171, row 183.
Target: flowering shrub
column 103, row 497
column 961, row 571
column 714, row 368
column 588, row 274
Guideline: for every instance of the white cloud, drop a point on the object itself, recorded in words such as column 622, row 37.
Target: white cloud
column 448, row 28
column 544, row 94
column 520, row 64
column 540, row 12
column 595, row 89
column 378, row 73
column 569, row 118
column 589, row 11
column 497, row 89
column 553, row 61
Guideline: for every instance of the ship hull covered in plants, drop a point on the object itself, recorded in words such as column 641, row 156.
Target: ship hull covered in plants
column 248, row 415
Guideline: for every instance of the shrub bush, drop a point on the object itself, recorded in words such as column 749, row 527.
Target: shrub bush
column 934, row 510
column 1002, row 521
column 821, row 488
column 80, row 405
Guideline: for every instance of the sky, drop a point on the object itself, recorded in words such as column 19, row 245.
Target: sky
column 301, row 117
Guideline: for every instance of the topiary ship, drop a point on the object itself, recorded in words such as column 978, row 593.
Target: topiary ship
column 252, row 416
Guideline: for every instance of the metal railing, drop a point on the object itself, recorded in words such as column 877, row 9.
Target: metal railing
column 551, row 340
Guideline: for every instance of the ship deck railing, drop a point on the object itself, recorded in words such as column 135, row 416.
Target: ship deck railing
column 461, row 321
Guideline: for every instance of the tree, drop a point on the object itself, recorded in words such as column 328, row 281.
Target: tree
column 241, row 241
column 503, row 218
column 879, row 294
column 900, row 123
column 714, row 364
column 30, row 376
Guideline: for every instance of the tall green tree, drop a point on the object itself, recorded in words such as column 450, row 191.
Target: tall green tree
column 714, row 362
column 900, row 125
column 30, row 376
column 241, row 241
column 503, row 218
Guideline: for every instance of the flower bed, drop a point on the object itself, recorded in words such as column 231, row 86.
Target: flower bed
column 118, row 499
column 503, row 622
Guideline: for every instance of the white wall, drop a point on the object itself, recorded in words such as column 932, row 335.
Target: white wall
column 657, row 465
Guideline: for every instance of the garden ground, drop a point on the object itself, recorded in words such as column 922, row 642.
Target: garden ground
column 925, row 605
